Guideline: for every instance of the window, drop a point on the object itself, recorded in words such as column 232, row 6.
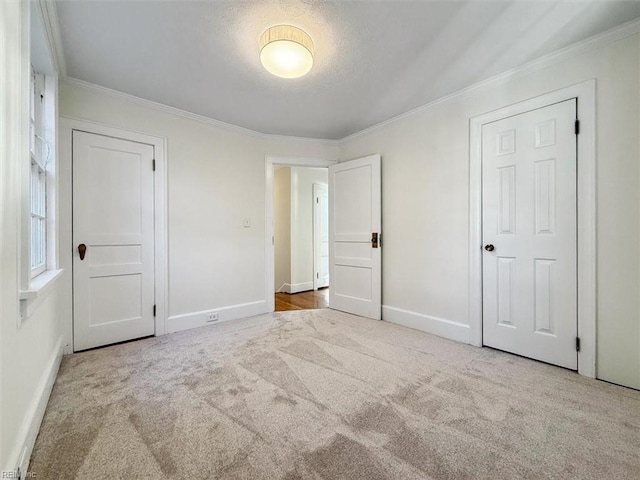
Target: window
column 40, row 154
column 38, row 170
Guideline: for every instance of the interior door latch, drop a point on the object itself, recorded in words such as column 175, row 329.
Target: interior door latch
column 374, row 240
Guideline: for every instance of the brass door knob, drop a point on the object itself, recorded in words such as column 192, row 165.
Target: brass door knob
column 82, row 250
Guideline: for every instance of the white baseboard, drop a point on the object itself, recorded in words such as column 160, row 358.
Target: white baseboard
column 35, row 413
column 296, row 287
column 186, row 321
column 426, row 323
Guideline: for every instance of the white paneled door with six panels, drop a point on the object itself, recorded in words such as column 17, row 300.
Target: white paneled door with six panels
column 529, row 234
column 113, row 258
column 355, row 258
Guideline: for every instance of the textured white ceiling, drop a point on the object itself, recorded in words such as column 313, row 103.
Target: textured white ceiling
column 373, row 59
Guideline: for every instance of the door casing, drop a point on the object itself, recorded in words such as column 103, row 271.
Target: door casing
column 66, row 127
column 270, row 161
column 586, row 101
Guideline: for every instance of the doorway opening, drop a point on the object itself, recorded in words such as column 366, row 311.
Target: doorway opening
column 301, row 237
column 291, row 293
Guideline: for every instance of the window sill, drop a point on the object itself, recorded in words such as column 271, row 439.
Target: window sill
column 41, row 285
column 39, row 289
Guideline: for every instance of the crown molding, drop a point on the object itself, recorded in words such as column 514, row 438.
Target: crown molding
column 49, row 14
column 592, row 43
column 598, row 41
column 132, row 99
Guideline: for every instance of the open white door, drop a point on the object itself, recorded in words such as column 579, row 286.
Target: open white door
column 355, row 260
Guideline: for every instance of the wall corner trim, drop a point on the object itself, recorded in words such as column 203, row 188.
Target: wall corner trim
column 49, row 14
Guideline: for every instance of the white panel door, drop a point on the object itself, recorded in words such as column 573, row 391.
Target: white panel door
column 529, row 230
column 321, row 235
column 355, row 260
column 113, row 284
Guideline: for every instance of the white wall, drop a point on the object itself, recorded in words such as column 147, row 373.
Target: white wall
column 216, row 179
column 302, row 180
column 29, row 350
column 425, row 178
column 282, row 226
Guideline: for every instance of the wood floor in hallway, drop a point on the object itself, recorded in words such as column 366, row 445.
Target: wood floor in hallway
column 303, row 300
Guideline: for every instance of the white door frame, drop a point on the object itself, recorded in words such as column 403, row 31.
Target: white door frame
column 270, row 161
column 586, row 95
column 316, row 222
column 67, row 126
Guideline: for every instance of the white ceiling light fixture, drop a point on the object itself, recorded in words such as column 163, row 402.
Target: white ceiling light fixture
column 286, row 51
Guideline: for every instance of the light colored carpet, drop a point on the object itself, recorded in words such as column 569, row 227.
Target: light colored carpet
column 325, row 395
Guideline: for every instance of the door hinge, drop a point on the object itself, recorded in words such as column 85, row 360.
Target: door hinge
column 154, row 310
column 577, row 344
column 317, row 199
column 317, row 275
column 154, row 164
column 577, row 127
column 273, row 240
